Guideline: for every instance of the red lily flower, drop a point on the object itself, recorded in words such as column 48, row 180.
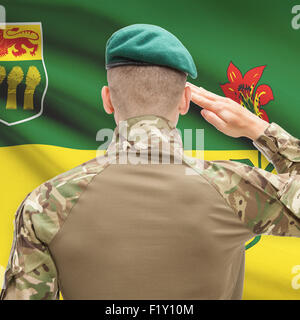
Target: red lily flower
column 241, row 89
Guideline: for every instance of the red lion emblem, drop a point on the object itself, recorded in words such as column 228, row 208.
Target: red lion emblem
column 15, row 38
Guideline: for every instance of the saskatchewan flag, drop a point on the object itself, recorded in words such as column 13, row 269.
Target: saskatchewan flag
column 52, row 56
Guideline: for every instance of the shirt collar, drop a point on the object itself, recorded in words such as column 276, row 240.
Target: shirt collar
column 146, row 132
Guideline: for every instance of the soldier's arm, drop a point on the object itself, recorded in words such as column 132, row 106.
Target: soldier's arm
column 31, row 273
column 229, row 117
column 266, row 203
column 280, row 148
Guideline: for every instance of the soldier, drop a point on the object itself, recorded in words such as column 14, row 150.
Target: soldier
column 140, row 230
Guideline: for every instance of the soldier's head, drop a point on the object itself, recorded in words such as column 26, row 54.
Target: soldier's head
column 143, row 90
column 147, row 69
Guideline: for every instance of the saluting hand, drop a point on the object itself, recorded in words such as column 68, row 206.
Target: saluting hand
column 227, row 115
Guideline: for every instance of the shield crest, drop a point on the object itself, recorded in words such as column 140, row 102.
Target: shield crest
column 23, row 75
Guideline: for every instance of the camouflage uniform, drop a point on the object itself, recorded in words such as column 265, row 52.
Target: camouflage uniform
column 261, row 202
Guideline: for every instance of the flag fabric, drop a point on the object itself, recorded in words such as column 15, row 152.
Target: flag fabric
column 52, row 69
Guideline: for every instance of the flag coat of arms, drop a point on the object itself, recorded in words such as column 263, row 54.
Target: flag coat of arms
column 23, row 76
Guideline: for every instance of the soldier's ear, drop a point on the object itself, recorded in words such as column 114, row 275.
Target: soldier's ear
column 107, row 105
column 185, row 101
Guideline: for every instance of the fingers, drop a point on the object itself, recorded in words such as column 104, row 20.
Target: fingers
column 203, row 102
column 213, row 119
column 201, row 91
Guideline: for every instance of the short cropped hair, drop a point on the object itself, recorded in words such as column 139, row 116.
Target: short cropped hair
column 143, row 90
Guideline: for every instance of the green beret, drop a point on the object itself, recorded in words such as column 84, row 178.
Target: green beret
column 146, row 44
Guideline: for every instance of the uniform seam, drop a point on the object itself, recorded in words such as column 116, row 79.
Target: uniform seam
column 224, row 199
column 69, row 213
column 59, row 283
column 234, row 210
column 211, row 184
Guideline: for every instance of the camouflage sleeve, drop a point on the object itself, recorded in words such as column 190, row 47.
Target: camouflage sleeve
column 30, row 273
column 266, row 203
column 280, row 148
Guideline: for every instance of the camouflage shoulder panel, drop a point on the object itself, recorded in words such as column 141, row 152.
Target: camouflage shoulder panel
column 31, row 273
column 280, row 148
column 255, row 196
column 50, row 203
